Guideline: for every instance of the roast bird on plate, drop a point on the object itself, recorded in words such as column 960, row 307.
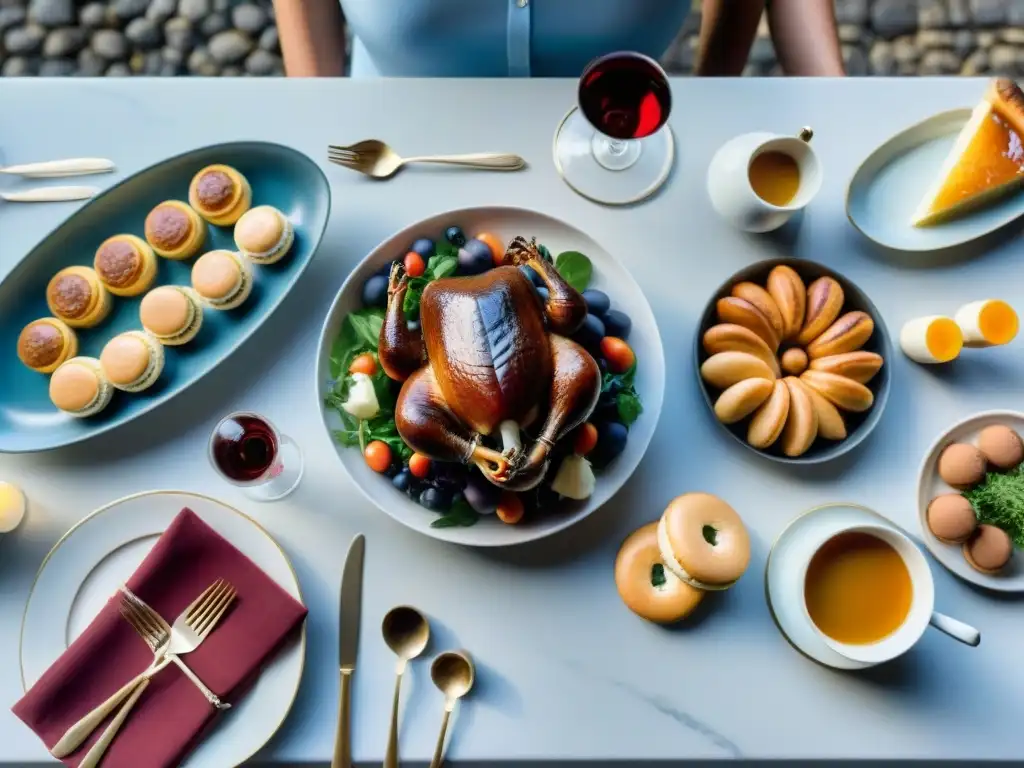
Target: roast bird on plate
column 490, row 358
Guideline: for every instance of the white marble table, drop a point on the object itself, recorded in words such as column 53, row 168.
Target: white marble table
column 565, row 670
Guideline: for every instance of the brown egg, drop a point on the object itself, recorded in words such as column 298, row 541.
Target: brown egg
column 1001, row 446
column 951, row 518
column 989, row 549
column 962, row 465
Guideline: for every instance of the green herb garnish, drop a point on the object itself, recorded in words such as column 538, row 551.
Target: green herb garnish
column 627, row 402
column 360, row 332
column 443, row 263
column 461, row 515
column 575, row 269
column 657, row 575
column 999, row 501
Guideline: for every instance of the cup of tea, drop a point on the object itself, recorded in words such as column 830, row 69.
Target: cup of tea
column 869, row 594
column 757, row 181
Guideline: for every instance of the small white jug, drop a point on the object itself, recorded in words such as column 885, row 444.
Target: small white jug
column 729, row 179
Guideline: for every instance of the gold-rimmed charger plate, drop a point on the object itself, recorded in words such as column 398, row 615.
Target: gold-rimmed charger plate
column 102, row 550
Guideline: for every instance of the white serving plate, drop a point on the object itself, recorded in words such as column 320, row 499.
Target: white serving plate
column 930, row 485
column 888, row 186
column 98, row 554
column 609, row 275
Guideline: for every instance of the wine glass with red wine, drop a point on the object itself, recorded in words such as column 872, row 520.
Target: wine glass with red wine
column 248, row 451
column 614, row 148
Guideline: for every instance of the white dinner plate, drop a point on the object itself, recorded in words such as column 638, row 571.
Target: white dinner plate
column 609, row 275
column 101, row 552
column 930, row 485
column 783, row 584
column 888, row 186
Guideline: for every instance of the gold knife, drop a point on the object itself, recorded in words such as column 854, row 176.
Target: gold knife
column 348, row 647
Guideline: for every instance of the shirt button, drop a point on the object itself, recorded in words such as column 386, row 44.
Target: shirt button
column 522, row 3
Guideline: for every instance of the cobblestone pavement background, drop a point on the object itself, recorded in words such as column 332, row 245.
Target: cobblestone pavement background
column 238, row 37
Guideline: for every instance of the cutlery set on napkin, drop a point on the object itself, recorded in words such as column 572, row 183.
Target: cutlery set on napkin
column 135, row 690
column 55, row 169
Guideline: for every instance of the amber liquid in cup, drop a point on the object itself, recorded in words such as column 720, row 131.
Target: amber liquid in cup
column 775, row 177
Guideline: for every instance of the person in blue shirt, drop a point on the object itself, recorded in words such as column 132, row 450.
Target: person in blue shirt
column 542, row 38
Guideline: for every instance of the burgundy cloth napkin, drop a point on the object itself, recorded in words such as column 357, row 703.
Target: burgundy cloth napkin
column 172, row 713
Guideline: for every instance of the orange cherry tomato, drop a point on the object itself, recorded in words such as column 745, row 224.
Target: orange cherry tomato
column 419, row 466
column 618, row 353
column 585, row 440
column 497, row 249
column 510, row 508
column 415, row 266
column 363, row 363
column 378, row 456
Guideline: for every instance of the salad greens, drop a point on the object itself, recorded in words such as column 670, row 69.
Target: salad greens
column 999, row 501
column 460, row 515
column 627, row 401
column 443, row 263
column 575, row 269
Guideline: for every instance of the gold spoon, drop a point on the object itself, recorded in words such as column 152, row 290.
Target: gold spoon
column 406, row 632
column 453, row 673
column 375, row 158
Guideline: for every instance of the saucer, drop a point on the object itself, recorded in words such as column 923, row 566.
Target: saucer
column 783, row 587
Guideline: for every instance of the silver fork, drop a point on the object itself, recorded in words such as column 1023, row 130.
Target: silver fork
column 191, row 627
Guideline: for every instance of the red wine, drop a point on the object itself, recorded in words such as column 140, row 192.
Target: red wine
column 625, row 95
column 244, row 447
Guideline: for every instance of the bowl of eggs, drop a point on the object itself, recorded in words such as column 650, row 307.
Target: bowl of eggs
column 792, row 361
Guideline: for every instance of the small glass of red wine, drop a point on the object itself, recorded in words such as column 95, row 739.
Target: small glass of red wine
column 248, row 451
column 614, row 148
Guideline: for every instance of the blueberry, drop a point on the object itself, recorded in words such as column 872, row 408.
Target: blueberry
column 590, row 333
column 375, row 292
column 617, row 324
column 435, row 499
column 475, row 257
column 611, row 441
column 451, row 475
column 602, row 364
column 402, row 481
column 424, row 247
column 606, row 410
column 481, row 494
column 455, row 236
column 531, row 274
column 543, row 292
column 598, row 302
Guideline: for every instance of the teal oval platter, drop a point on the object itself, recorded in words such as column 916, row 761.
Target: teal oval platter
column 279, row 176
column 886, row 189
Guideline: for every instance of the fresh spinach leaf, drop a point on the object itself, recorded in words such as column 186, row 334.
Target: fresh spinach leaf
column 360, row 332
column 411, row 305
column 460, row 515
column 441, row 266
column 575, row 269
column 629, row 406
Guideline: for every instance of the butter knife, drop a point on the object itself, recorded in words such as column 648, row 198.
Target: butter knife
column 55, row 169
column 348, row 647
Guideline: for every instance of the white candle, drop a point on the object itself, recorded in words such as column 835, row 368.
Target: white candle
column 12, row 507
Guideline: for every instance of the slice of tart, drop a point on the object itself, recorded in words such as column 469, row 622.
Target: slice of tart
column 986, row 162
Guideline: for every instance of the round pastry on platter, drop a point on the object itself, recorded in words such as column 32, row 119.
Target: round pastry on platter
column 175, row 230
column 173, row 314
column 989, row 549
column 264, row 235
column 125, row 264
column 132, row 361
column 646, row 586
column 951, row 518
column 223, row 279
column 703, row 541
column 1001, row 446
column 80, row 388
column 46, row 343
column 220, row 194
column 77, row 296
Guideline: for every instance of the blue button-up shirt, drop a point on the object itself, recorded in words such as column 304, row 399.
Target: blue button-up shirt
column 503, row 38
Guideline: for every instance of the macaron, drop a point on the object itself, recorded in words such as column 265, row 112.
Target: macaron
column 77, row 296
column 78, row 387
column 220, row 194
column 46, row 343
column 132, row 361
column 961, row 465
column 125, row 264
column 175, row 230
column 223, row 279
column 703, row 541
column 988, row 550
column 264, row 235
column 173, row 314
column 951, row 518
column 1001, row 446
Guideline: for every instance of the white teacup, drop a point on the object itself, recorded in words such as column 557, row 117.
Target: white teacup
column 729, row 179
column 922, row 605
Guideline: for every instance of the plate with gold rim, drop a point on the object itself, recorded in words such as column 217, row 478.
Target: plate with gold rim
column 887, row 187
column 930, row 485
column 99, row 553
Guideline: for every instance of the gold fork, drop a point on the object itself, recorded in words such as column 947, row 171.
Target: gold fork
column 375, row 158
column 192, row 626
